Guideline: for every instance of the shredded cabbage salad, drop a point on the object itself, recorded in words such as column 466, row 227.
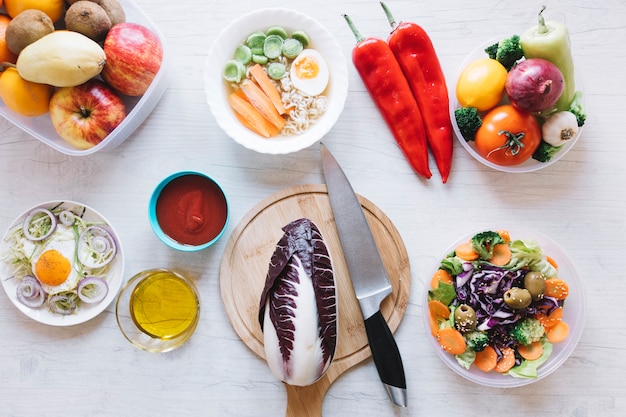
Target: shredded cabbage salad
column 495, row 319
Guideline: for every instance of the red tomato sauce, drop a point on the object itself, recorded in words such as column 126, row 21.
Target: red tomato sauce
column 191, row 209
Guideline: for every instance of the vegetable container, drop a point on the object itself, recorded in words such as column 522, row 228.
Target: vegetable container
column 85, row 311
column 217, row 88
column 208, row 214
column 573, row 315
column 530, row 164
column 137, row 108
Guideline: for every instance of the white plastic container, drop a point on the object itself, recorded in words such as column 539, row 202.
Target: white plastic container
column 137, row 108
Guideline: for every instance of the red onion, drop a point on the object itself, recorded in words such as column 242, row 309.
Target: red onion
column 96, row 247
column 30, row 292
column 534, row 85
column 92, row 290
column 36, row 227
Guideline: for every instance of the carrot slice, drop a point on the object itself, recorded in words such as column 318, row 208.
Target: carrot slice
column 552, row 262
column 441, row 275
column 270, row 90
column 504, row 234
column 438, row 309
column 557, row 288
column 558, row 332
column 486, row 359
column 466, row 252
column 252, row 119
column 507, row 361
column 501, row 254
column 434, row 326
column 550, row 320
column 531, row 351
column 262, row 103
column 451, row 340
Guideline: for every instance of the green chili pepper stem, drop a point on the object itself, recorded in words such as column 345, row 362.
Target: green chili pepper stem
column 390, row 18
column 353, row 28
column 542, row 28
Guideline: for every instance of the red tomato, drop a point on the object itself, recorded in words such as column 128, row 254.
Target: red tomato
column 508, row 136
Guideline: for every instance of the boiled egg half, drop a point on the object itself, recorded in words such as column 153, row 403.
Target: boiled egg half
column 309, row 72
column 53, row 262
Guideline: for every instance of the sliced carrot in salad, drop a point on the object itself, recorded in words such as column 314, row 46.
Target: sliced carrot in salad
column 441, row 275
column 486, row 359
column 549, row 320
column 451, row 340
column 501, row 254
column 504, row 234
column 552, row 262
column 434, row 325
column 466, row 252
column 557, row 288
column 531, row 351
column 438, row 309
column 558, row 332
column 507, row 361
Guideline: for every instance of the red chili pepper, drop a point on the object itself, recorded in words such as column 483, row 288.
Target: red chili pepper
column 385, row 82
column 415, row 52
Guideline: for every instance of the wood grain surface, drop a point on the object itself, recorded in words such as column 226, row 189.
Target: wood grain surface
column 245, row 264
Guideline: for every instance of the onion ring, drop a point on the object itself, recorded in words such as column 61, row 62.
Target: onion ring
column 67, row 218
column 97, row 247
column 30, row 292
column 33, row 227
column 63, row 303
column 92, row 290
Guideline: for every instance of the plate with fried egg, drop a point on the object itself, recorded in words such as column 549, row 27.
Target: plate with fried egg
column 61, row 263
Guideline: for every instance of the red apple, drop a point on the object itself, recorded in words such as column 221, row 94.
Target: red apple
column 134, row 55
column 84, row 115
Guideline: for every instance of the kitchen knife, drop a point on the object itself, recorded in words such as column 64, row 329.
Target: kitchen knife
column 368, row 275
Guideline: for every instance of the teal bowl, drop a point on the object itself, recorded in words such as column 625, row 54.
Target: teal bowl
column 189, row 211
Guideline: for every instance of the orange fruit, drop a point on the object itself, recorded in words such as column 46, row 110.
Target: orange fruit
column 24, row 97
column 5, row 53
column 53, row 8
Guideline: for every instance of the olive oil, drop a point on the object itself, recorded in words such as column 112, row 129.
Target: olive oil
column 164, row 306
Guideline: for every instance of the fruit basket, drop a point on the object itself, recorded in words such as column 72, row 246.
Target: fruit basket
column 137, row 108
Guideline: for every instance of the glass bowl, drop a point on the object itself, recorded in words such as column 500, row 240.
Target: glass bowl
column 84, row 311
column 573, row 315
column 217, row 89
column 137, row 108
column 530, row 164
column 158, row 310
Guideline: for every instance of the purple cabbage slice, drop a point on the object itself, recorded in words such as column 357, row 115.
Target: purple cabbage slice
column 298, row 306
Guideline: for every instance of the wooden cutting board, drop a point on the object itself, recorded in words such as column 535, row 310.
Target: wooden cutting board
column 245, row 264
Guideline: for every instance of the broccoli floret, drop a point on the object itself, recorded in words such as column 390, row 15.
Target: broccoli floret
column 507, row 52
column 468, row 120
column 484, row 242
column 476, row 341
column 527, row 331
column 545, row 151
column 576, row 107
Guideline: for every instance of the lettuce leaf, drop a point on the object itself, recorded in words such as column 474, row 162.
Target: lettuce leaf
column 527, row 253
column 528, row 369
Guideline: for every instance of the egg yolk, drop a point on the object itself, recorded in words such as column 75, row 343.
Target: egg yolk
column 307, row 68
column 52, row 268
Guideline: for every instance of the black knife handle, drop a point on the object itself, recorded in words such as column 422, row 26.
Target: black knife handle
column 385, row 351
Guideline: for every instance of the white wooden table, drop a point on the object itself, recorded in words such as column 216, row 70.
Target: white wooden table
column 580, row 202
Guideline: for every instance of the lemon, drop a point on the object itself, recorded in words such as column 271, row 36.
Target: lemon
column 481, row 84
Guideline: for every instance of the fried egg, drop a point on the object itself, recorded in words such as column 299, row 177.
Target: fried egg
column 53, row 261
column 309, row 72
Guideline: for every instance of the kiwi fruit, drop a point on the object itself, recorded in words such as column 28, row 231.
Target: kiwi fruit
column 27, row 27
column 88, row 18
column 113, row 8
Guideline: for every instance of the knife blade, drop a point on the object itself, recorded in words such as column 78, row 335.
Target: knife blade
column 368, row 275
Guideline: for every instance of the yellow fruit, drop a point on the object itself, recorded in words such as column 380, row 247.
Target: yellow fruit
column 53, row 8
column 481, row 84
column 62, row 59
column 24, row 97
column 5, row 53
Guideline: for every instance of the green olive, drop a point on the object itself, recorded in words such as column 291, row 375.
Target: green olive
column 518, row 298
column 464, row 318
column 535, row 283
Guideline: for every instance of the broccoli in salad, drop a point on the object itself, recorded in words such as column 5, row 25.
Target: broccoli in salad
column 576, row 107
column 476, row 340
column 484, row 242
column 545, row 151
column 528, row 331
column 507, row 51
